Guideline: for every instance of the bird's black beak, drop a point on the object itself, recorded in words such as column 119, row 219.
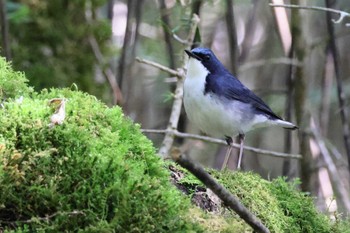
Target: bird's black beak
column 190, row 54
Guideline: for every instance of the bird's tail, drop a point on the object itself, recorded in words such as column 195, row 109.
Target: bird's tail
column 286, row 124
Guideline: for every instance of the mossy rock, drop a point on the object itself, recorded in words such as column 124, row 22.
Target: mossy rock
column 96, row 172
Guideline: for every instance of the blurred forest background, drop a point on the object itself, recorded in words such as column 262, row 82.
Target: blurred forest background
column 297, row 60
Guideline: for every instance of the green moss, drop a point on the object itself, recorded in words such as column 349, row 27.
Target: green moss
column 280, row 206
column 299, row 208
column 278, row 203
column 341, row 226
column 96, row 172
column 12, row 84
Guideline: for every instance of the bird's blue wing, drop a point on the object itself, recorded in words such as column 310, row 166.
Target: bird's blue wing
column 229, row 87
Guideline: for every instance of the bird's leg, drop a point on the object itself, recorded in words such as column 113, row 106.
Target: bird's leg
column 241, row 142
column 228, row 152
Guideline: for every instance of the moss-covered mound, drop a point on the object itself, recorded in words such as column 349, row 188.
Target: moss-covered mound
column 95, row 172
column 278, row 204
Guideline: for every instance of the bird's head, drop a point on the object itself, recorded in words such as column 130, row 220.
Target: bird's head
column 203, row 59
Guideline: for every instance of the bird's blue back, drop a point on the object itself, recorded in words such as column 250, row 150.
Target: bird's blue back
column 223, row 84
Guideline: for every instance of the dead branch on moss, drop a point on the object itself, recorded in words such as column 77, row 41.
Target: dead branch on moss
column 230, row 200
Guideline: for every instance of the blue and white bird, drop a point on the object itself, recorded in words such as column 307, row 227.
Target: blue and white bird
column 220, row 105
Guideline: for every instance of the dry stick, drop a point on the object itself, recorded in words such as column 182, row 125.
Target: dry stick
column 337, row 183
column 230, row 200
column 223, row 142
column 173, row 120
column 160, row 67
column 177, row 104
column 342, row 14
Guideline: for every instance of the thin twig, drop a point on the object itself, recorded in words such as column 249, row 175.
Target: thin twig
column 222, row 142
column 230, row 200
column 160, row 67
column 177, row 104
column 180, row 40
column 342, row 14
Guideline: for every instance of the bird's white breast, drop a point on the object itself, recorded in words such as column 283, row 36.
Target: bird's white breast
column 215, row 116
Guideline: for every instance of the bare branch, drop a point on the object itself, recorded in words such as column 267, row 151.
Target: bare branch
column 159, row 66
column 230, row 200
column 177, row 104
column 178, row 39
column 223, row 142
column 342, row 14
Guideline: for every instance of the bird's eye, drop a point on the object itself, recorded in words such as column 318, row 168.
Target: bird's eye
column 207, row 57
